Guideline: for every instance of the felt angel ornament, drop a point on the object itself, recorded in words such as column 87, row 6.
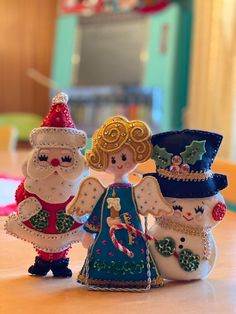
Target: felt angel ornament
column 118, row 257
column 53, row 172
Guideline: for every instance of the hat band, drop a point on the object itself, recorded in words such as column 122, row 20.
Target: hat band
column 188, row 176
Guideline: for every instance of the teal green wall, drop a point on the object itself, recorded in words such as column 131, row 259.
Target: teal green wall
column 159, row 68
column 183, row 65
column 169, row 70
column 65, row 40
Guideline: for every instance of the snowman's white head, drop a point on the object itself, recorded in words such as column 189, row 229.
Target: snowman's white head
column 202, row 212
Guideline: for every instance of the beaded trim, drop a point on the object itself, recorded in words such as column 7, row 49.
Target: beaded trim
column 50, row 243
column 190, row 176
column 57, row 137
column 204, row 233
column 158, row 282
column 120, row 185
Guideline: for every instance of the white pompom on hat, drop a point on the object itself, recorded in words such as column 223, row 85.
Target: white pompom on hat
column 58, row 128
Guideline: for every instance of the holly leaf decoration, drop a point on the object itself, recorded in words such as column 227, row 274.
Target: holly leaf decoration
column 193, row 152
column 161, row 157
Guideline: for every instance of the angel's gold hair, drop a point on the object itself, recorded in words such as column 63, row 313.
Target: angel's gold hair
column 113, row 135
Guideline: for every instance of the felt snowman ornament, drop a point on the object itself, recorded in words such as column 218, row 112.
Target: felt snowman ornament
column 52, row 175
column 185, row 248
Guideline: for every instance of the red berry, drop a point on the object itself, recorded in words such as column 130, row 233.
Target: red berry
column 176, row 160
column 174, row 169
column 184, row 168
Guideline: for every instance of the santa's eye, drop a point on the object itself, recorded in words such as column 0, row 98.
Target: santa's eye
column 199, row 209
column 123, row 157
column 66, row 159
column 113, row 160
column 43, row 157
column 178, row 207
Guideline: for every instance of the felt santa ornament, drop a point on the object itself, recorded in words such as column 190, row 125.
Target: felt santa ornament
column 52, row 175
column 185, row 248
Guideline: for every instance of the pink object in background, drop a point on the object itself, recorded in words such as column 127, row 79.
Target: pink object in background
column 8, row 187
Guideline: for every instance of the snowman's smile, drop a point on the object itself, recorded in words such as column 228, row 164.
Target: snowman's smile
column 188, row 219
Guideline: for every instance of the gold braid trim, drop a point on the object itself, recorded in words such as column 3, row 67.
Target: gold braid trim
column 158, row 282
column 190, row 176
column 204, row 233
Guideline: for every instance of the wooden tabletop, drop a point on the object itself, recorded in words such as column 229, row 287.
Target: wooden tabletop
column 22, row 293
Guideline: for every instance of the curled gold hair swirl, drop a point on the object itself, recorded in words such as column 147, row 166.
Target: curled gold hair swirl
column 113, row 134
column 116, row 133
column 140, row 140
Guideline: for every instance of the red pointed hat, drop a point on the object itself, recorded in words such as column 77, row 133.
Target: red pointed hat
column 58, row 128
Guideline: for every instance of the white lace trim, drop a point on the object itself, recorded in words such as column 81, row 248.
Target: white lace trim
column 57, row 137
column 51, row 243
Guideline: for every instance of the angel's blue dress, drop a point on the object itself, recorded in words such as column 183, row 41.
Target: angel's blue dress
column 107, row 266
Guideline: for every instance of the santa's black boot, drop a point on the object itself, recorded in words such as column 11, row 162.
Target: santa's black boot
column 40, row 267
column 60, row 268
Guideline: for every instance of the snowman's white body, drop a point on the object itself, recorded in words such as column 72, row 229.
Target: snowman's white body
column 193, row 234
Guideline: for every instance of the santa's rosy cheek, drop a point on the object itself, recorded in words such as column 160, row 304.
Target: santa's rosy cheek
column 219, row 211
column 177, row 214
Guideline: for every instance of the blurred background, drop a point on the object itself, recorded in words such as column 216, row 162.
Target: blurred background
column 169, row 63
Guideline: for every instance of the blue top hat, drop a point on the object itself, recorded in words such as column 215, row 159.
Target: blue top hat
column 183, row 163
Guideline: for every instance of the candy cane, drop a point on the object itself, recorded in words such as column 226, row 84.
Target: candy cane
column 122, row 248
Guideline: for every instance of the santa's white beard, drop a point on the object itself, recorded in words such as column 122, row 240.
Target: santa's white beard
column 54, row 184
column 53, row 189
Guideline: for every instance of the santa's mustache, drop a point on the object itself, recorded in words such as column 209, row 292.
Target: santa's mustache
column 35, row 171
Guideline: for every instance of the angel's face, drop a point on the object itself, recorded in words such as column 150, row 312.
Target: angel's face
column 122, row 162
column 203, row 212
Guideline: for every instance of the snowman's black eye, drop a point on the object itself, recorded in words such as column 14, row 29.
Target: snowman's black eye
column 199, row 209
column 113, row 160
column 178, row 207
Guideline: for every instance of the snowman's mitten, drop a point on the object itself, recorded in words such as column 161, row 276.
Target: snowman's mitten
column 165, row 247
column 188, row 261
